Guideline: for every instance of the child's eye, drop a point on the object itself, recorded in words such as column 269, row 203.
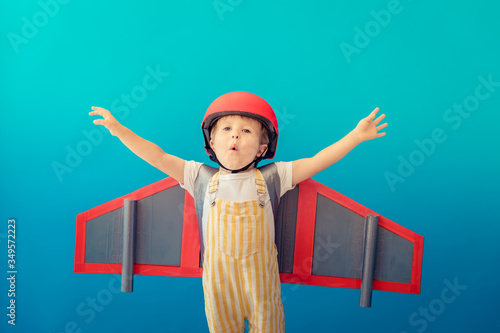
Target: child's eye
column 227, row 128
column 246, row 131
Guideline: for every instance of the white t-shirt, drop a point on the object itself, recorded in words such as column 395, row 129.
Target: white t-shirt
column 237, row 187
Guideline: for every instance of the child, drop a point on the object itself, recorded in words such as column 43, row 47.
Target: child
column 240, row 268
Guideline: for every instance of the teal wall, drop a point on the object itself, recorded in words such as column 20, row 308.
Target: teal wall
column 431, row 66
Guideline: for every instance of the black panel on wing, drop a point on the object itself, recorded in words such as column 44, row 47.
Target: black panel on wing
column 104, row 238
column 158, row 231
column 159, row 228
column 339, row 246
column 338, row 240
column 394, row 257
column 285, row 224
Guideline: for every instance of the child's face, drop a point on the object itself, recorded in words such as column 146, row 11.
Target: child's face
column 236, row 141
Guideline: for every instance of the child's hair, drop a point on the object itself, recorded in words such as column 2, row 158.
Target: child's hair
column 264, row 137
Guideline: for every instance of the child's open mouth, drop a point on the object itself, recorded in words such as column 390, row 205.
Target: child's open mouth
column 233, row 147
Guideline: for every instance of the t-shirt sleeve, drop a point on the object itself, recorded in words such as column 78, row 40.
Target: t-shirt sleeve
column 285, row 174
column 191, row 169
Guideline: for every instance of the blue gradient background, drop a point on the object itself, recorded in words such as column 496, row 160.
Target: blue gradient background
column 428, row 57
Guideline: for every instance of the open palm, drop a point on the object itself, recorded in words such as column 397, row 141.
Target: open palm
column 368, row 128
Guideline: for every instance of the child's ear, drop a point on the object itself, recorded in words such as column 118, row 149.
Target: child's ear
column 262, row 150
column 212, row 144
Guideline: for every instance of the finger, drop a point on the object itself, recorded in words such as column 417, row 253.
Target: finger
column 96, row 110
column 98, row 122
column 373, row 114
column 379, row 119
column 378, row 128
column 99, row 111
column 379, row 135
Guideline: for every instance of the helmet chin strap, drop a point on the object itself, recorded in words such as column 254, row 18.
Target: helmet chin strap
column 256, row 160
column 242, row 169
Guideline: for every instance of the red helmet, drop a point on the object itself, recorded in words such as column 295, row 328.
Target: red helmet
column 243, row 104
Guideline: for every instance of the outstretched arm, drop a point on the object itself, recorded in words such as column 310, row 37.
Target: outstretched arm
column 148, row 151
column 366, row 129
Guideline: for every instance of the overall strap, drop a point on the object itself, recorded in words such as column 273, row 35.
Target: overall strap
column 200, row 187
column 260, row 185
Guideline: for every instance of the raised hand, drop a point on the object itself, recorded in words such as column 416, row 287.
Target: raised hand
column 108, row 120
column 368, row 128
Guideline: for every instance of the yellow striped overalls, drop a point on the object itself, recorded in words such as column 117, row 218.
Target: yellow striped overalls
column 240, row 266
